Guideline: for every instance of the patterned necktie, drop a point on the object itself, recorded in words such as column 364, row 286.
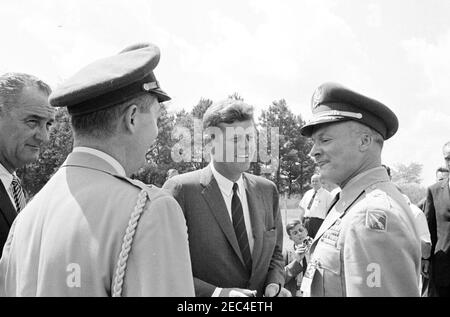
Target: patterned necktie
column 312, row 200
column 19, row 196
column 239, row 228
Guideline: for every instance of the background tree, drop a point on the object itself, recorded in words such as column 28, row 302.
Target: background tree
column 294, row 166
column 236, row 96
column 173, row 128
column 159, row 159
column 414, row 191
column 408, row 179
column 199, row 110
column 403, row 173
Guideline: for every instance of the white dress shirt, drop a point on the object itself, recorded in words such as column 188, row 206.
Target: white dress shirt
column 320, row 205
column 108, row 158
column 226, row 188
column 7, row 178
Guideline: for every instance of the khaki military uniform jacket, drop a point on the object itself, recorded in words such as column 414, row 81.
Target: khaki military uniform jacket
column 66, row 242
column 368, row 245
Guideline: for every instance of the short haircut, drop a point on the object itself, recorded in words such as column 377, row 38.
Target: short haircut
column 291, row 225
column 227, row 111
column 316, row 176
column 362, row 128
column 12, row 85
column 442, row 170
column 103, row 123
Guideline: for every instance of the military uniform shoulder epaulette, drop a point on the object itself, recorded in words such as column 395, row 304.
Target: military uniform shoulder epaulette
column 152, row 191
column 376, row 198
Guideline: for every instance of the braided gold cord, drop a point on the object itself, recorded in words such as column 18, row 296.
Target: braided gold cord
column 127, row 244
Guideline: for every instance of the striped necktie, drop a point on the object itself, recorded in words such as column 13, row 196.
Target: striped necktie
column 239, row 228
column 312, row 200
column 18, row 194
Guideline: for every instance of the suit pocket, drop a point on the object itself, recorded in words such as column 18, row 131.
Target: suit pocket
column 270, row 234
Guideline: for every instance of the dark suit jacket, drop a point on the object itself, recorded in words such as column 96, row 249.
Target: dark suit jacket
column 7, row 215
column 215, row 254
column 437, row 211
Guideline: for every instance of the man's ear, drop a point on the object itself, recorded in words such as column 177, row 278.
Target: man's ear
column 365, row 140
column 130, row 118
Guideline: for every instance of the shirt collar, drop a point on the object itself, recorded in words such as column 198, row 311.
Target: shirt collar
column 108, row 158
column 225, row 185
column 6, row 177
column 319, row 190
column 360, row 183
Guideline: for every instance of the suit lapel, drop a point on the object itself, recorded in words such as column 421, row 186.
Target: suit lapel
column 256, row 209
column 444, row 196
column 213, row 197
column 6, row 206
column 446, row 193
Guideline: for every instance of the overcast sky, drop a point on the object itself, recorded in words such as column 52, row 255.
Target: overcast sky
column 395, row 51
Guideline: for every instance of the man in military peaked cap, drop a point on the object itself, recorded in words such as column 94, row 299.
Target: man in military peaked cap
column 368, row 244
column 92, row 231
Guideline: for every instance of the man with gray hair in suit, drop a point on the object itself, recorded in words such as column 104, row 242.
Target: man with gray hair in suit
column 437, row 211
column 25, row 120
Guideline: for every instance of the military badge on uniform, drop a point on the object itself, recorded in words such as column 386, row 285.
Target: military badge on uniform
column 317, row 97
column 376, row 220
column 331, row 236
column 149, row 86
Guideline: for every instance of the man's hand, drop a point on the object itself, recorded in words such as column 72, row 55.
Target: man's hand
column 273, row 290
column 426, row 268
column 299, row 253
column 237, row 292
column 284, row 293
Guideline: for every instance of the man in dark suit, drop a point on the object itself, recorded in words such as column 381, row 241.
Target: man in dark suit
column 437, row 211
column 25, row 119
column 233, row 218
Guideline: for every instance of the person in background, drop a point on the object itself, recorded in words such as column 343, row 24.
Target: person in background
column 437, row 212
column 441, row 173
column 424, row 235
column 314, row 206
column 25, row 120
column 295, row 257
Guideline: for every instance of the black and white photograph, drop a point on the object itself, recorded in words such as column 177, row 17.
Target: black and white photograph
column 240, row 149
